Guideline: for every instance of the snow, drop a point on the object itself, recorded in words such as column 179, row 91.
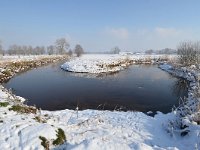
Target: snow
column 165, row 67
column 94, row 63
column 94, row 129
column 24, row 57
column 104, row 63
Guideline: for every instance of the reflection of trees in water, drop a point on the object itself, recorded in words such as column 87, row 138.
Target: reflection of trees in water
column 57, row 64
column 180, row 88
column 145, row 65
column 113, row 75
column 117, row 74
column 54, row 65
column 95, row 75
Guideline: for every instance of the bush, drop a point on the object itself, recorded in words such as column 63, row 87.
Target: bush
column 39, row 119
column 7, row 73
column 189, row 53
column 60, row 137
column 4, row 104
column 44, row 143
column 23, row 109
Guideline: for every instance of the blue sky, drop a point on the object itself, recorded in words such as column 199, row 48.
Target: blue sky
column 99, row 25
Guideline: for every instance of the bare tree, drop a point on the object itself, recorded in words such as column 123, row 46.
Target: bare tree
column 70, row 53
column 13, row 49
column 51, row 50
column 166, row 51
column 78, row 50
column 42, row 50
column 39, row 50
column 25, row 50
column 1, row 49
column 30, row 50
column 150, row 51
column 115, row 50
column 62, row 45
column 18, row 50
column 189, row 52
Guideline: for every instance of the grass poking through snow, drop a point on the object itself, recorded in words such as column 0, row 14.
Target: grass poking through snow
column 61, row 138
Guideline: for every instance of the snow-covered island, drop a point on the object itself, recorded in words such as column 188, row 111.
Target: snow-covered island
column 25, row 127
column 105, row 63
column 97, row 63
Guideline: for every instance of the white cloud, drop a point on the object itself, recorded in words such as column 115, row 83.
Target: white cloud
column 139, row 39
column 120, row 33
column 167, row 32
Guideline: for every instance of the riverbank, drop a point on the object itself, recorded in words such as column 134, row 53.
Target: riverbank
column 25, row 127
column 189, row 109
column 11, row 65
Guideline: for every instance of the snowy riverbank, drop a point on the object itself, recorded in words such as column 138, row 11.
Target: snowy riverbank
column 10, row 65
column 189, row 109
column 90, row 129
column 28, row 128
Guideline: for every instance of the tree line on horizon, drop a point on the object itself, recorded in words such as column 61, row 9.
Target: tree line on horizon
column 162, row 51
column 60, row 47
column 188, row 51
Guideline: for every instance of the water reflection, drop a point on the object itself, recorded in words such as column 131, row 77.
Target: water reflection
column 94, row 75
column 180, row 87
column 139, row 87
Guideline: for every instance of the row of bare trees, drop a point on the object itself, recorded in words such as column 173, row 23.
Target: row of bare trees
column 188, row 52
column 162, row 51
column 25, row 50
column 61, row 46
column 1, row 48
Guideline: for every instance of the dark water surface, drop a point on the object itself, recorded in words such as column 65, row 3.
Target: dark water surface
column 140, row 87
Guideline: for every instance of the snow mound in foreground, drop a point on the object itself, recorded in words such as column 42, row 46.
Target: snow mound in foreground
column 92, row 129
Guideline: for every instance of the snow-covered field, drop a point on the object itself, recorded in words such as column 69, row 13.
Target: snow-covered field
column 4, row 59
column 93, row 129
column 102, row 63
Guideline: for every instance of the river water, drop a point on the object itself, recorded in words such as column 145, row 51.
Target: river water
column 138, row 88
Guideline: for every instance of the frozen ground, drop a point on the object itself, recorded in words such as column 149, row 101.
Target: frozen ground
column 92, row 129
column 24, row 57
column 91, row 63
column 101, row 63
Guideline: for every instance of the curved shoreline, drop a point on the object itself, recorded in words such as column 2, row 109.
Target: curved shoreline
column 188, row 110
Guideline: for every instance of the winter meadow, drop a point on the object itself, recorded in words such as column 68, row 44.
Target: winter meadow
column 95, row 75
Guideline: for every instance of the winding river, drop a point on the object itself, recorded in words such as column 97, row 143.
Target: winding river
column 138, row 88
